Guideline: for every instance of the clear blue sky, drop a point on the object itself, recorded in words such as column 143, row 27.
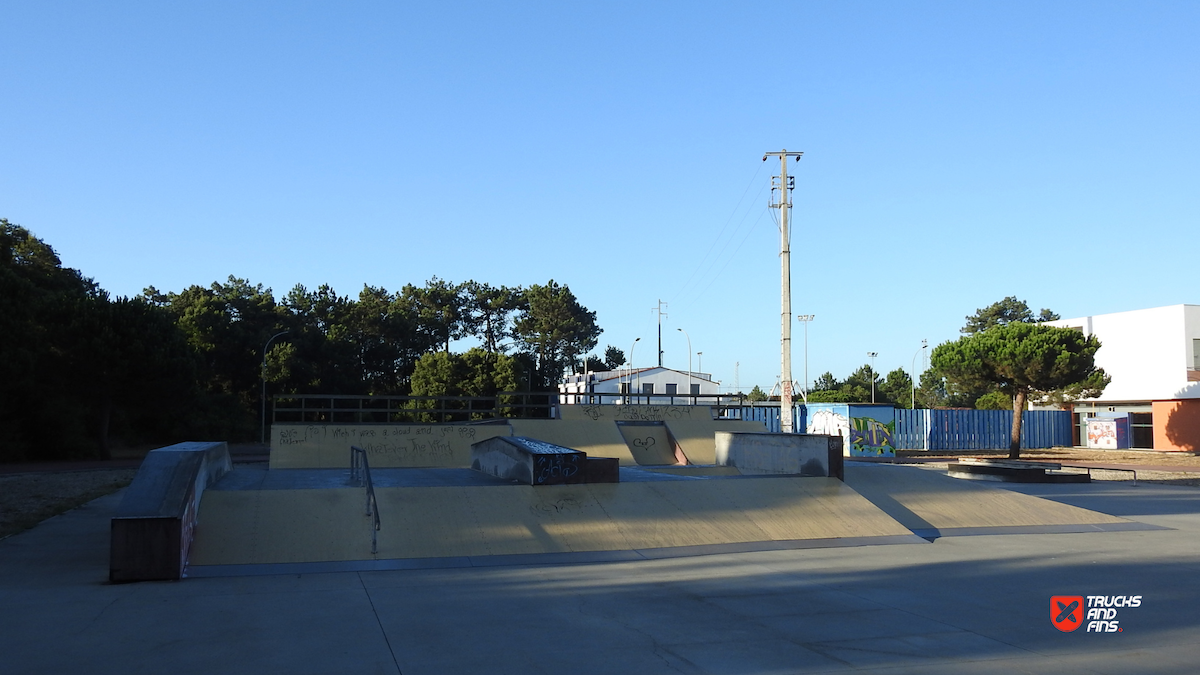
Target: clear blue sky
column 955, row 153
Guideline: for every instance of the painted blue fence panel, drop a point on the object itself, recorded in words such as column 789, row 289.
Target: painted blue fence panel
column 911, row 428
column 769, row 415
column 950, row 429
column 980, row 429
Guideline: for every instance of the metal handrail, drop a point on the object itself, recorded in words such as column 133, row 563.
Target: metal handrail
column 360, row 474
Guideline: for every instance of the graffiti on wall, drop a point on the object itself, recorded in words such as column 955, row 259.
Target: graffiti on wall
column 871, row 438
column 830, row 423
column 1102, row 435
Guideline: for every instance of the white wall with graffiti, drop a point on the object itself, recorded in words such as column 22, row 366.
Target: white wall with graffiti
column 866, row 430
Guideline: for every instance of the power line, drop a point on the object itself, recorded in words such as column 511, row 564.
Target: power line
column 700, row 265
column 731, row 258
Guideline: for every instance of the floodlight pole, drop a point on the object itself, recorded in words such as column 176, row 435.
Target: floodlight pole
column 263, row 373
column 872, row 355
column 785, row 281
column 805, row 318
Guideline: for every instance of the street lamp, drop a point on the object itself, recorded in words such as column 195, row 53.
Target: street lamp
column 263, row 435
column 805, row 318
column 689, row 339
column 913, row 369
column 635, row 341
column 872, row 355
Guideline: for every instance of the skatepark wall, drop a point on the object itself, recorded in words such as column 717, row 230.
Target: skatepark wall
column 646, row 435
column 781, row 454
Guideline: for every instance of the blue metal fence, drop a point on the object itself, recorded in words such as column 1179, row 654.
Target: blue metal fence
column 979, row 429
column 951, row 429
column 769, row 415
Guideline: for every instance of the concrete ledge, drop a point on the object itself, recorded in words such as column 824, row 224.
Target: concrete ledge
column 1014, row 472
column 781, row 454
column 603, row 470
column 1131, row 526
column 529, row 461
column 151, row 534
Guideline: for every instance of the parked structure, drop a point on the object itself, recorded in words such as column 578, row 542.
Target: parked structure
column 1153, row 356
column 663, row 386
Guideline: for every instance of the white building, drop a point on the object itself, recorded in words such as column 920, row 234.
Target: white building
column 1153, row 357
column 652, row 386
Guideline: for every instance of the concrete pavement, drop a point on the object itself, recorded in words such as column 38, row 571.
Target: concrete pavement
column 963, row 604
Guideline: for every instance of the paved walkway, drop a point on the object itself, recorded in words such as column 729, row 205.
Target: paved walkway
column 1147, row 465
column 966, row 604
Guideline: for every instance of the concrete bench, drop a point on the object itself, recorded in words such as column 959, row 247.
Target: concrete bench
column 152, row 530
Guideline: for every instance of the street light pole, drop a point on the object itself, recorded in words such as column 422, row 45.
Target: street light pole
column 689, row 339
column 263, row 372
column 805, row 318
column 635, row 341
column 913, row 369
column 872, row 355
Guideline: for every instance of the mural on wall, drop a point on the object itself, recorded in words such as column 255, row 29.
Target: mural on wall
column 830, row 423
column 1102, row 434
column 871, row 438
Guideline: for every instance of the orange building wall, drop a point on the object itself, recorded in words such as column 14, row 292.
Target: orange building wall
column 1177, row 425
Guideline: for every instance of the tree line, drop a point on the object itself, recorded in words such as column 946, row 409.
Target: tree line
column 80, row 369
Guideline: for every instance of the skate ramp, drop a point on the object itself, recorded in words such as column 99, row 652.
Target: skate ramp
column 930, row 502
column 240, row 527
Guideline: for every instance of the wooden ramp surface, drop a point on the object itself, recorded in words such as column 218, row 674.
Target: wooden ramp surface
column 285, row 526
column 924, row 499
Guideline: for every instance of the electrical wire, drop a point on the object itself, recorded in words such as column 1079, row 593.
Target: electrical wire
column 700, row 265
column 731, row 256
column 725, row 252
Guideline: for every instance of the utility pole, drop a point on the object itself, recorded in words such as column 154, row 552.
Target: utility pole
column 782, row 200
column 661, row 305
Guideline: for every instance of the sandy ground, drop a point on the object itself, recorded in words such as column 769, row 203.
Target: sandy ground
column 27, row 499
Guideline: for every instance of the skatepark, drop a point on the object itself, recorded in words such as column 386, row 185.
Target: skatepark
column 691, row 558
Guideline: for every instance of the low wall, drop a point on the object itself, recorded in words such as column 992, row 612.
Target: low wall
column 589, row 429
column 784, row 454
column 327, row 446
column 151, row 534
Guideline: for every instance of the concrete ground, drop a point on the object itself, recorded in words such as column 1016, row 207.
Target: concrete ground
column 962, row 604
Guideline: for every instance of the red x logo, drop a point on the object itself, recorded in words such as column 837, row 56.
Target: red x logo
column 1066, row 612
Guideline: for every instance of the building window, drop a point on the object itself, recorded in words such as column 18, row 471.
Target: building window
column 1196, row 354
column 672, row 389
column 695, row 390
column 648, row 388
column 624, row 387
